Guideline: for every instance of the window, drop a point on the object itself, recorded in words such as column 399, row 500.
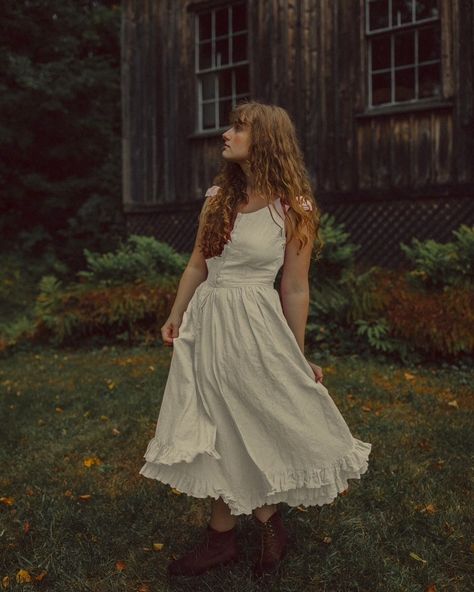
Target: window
column 221, row 63
column 404, row 51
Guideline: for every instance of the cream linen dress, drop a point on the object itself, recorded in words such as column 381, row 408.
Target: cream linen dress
column 242, row 416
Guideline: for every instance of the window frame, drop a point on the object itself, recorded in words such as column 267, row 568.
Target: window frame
column 390, row 32
column 215, row 69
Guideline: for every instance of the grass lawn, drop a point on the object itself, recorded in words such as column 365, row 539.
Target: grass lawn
column 76, row 515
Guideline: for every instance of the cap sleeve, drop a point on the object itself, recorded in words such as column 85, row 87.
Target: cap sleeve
column 212, row 190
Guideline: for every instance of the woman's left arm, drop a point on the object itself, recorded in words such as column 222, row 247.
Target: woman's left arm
column 294, row 291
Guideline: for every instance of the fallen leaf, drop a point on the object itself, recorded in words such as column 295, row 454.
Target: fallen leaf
column 40, row 577
column 115, row 431
column 366, row 408
column 453, row 403
column 85, row 497
column 327, row 540
column 431, row 588
column 417, row 557
column 158, row 546
column 59, row 409
column 8, row 501
column 301, row 509
column 120, row 565
column 176, row 491
column 68, row 493
column 409, row 376
column 144, row 588
column 104, row 418
column 92, row 460
column 5, row 582
column 23, row 576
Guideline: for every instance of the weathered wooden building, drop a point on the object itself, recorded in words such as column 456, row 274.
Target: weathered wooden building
column 381, row 93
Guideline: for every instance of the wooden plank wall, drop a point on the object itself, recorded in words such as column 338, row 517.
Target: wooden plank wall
column 312, row 55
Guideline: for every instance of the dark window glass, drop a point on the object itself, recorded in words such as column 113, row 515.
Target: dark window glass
column 225, row 83
column 404, row 48
column 208, row 87
column 239, row 47
column 429, row 84
column 425, row 9
column 205, row 26
column 429, row 41
column 222, row 52
column 239, row 17
column 225, row 107
column 205, row 55
column 401, row 12
column 241, row 80
column 380, row 88
column 405, row 84
column 208, row 115
column 381, row 53
column 378, row 14
column 222, row 22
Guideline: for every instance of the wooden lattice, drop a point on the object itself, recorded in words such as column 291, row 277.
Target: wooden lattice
column 377, row 226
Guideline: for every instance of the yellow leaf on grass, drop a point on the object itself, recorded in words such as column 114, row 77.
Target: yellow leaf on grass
column 453, row 403
column 5, row 582
column 92, row 460
column 85, row 497
column 8, row 501
column 104, row 418
column 417, row 557
column 23, row 576
column 409, row 376
column 120, row 565
column 158, row 546
column 176, row 491
column 430, row 508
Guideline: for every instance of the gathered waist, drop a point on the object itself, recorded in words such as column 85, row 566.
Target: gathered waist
column 227, row 283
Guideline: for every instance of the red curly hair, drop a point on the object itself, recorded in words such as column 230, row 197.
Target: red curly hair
column 277, row 167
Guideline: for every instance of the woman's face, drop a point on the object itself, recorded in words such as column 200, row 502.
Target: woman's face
column 236, row 142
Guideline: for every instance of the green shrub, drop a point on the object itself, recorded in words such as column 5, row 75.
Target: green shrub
column 139, row 258
column 442, row 264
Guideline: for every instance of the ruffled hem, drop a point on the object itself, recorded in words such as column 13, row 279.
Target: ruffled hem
column 160, row 452
column 295, row 487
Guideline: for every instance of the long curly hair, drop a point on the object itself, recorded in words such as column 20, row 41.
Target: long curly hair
column 277, row 168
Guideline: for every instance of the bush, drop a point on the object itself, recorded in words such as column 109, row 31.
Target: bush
column 139, row 258
column 437, row 265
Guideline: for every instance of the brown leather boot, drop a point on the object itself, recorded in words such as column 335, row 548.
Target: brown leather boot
column 273, row 545
column 215, row 548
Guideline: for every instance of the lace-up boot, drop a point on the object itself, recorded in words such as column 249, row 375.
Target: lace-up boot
column 273, row 545
column 215, row 548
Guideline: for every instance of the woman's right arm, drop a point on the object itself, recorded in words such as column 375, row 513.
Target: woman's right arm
column 193, row 275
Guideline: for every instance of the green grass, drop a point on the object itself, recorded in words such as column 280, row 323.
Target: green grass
column 403, row 527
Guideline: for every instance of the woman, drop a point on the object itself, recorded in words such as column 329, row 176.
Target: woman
column 245, row 418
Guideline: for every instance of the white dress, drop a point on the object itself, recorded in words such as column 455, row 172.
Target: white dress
column 242, row 416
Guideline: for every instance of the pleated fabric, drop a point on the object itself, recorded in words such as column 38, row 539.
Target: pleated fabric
column 242, row 416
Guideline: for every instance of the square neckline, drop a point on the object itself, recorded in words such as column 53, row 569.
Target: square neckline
column 259, row 210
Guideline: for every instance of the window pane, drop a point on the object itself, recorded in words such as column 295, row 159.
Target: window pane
column 381, row 88
column 239, row 48
column 222, row 52
column 405, row 84
column 205, row 26
column 225, row 107
column 208, row 115
column 241, row 80
column 429, row 82
column 381, row 53
column 239, row 17
column 401, row 12
column 208, row 90
column 225, row 83
column 204, row 55
column 426, row 9
column 429, row 44
column 378, row 14
column 404, row 48
column 222, row 22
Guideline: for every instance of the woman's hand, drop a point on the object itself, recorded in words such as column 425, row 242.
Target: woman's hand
column 318, row 373
column 170, row 329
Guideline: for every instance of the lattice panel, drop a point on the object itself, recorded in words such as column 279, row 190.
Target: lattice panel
column 377, row 226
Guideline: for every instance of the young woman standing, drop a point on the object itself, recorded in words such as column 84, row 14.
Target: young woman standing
column 245, row 418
